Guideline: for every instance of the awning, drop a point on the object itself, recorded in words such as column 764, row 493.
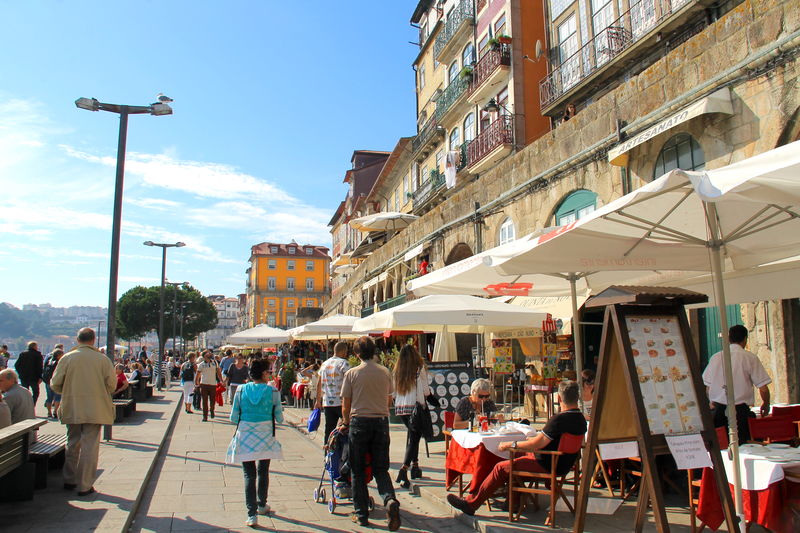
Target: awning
column 343, row 259
column 718, row 102
column 370, row 243
column 414, row 252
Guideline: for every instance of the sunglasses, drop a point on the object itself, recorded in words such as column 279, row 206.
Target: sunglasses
column 484, row 396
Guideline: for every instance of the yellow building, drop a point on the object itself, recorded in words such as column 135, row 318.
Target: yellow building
column 283, row 278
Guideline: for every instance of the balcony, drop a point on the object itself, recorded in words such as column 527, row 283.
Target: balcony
column 430, row 135
column 366, row 311
column 392, row 302
column 491, row 145
column 429, row 189
column 458, row 25
column 602, row 57
column 489, row 73
column 450, row 97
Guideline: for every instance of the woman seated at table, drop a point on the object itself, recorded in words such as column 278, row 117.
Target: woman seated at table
column 122, row 382
column 587, row 391
column 137, row 372
column 479, row 401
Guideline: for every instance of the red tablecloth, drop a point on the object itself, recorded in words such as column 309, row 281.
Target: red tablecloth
column 298, row 389
column 776, row 507
column 477, row 461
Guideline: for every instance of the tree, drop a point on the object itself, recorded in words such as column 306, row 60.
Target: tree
column 137, row 311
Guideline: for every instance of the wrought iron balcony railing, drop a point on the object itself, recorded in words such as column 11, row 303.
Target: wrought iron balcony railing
column 430, row 131
column 450, row 96
column 463, row 13
column 499, row 132
column 621, row 34
column 427, row 189
column 392, row 302
column 486, row 65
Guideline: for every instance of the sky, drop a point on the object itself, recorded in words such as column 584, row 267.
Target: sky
column 270, row 100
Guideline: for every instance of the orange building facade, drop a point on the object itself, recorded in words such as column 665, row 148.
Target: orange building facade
column 283, row 278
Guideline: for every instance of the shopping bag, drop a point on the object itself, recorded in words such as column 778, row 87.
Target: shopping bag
column 196, row 398
column 313, row 420
column 219, row 391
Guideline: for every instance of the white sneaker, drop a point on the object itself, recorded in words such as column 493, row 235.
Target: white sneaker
column 263, row 509
column 252, row 521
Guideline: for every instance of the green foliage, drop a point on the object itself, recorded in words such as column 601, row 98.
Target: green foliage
column 353, row 360
column 288, row 376
column 137, row 311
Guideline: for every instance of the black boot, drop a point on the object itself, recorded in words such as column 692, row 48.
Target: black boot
column 416, row 471
column 402, row 478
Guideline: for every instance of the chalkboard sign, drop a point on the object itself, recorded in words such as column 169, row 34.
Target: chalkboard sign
column 450, row 381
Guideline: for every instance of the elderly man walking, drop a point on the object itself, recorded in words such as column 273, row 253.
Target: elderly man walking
column 29, row 366
column 85, row 378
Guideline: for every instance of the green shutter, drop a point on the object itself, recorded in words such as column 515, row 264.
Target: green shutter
column 710, row 337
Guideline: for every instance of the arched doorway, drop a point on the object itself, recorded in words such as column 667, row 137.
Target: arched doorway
column 460, row 251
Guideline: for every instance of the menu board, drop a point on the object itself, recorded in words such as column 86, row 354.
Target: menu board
column 450, row 381
column 503, row 359
column 662, row 368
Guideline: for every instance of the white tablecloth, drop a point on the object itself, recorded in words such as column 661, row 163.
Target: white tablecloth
column 516, row 432
column 758, row 471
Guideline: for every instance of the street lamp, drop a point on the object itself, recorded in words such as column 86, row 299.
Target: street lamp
column 161, row 338
column 158, row 109
column 175, row 285
column 183, row 305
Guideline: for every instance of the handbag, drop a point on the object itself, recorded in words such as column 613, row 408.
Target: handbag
column 313, row 421
column 421, row 421
column 196, row 398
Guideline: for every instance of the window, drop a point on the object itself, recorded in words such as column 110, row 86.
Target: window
column 309, row 251
column 273, row 249
column 422, row 77
column 271, row 319
column 602, row 17
column 291, row 320
column 680, row 151
column 452, row 72
column 507, row 232
column 289, row 284
column 469, row 127
column 309, row 303
column 502, row 101
column 309, row 265
column 425, row 175
column 468, row 55
column 483, row 45
column 290, row 302
column 290, row 265
column 405, row 185
column 271, row 302
column 292, row 250
column 439, row 158
column 309, row 284
column 455, row 138
column 500, row 26
column 397, row 199
column 567, row 48
column 272, row 264
column 575, row 206
column 272, row 283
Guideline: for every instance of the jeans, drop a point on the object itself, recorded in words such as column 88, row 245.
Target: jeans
column 369, row 436
column 51, row 396
column 743, row 413
column 412, row 442
column 208, row 393
column 252, row 497
column 34, row 387
column 332, row 416
column 231, row 392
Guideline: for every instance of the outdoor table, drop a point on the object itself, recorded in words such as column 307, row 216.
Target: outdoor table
column 476, row 454
column 770, row 487
column 298, row 389
column 547, row 390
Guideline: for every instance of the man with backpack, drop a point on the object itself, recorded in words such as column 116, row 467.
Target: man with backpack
column 187, row 382
column 53, row 399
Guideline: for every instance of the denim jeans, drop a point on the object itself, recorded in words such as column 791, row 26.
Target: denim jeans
column 252, row 497
column 412, row 442
column 369, row 436
column 332, row 416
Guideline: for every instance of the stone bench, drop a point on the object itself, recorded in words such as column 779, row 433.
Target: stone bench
column 123, row 407
column 17, row 474
column 46, row 453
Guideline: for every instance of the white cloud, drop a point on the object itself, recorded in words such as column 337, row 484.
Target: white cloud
column 158, row 204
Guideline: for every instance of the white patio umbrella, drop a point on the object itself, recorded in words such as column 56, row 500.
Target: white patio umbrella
column 734, row 219
column 336, row 326
column 386, row 221
column 260, row 335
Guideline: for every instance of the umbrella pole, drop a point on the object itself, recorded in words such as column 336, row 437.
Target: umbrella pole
column 719, row 289
column 576, row 330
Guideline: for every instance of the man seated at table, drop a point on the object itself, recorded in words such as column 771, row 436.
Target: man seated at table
column 479, row 401
column 569, row 420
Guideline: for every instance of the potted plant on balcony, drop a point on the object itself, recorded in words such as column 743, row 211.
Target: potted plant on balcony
column 504, row 39
column 493, row 43
column 466, row 73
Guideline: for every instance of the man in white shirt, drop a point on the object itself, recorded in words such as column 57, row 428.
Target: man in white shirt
column 329, row 390
column 748, row 372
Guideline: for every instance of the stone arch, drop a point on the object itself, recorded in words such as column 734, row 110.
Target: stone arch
column 457, row 253
column 389, row 289
column 576, row 201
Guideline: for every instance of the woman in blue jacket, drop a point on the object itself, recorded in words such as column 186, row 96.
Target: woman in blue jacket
column 256, row 409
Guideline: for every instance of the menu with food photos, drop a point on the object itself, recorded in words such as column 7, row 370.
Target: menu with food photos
column 662, row 369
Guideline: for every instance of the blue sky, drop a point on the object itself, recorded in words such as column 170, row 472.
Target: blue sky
column 271, row 98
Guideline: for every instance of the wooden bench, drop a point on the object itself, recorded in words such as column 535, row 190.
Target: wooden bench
column 46, row 453
column 123, row 407
column 17, row 475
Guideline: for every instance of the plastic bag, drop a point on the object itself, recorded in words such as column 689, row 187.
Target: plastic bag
column 313, row 420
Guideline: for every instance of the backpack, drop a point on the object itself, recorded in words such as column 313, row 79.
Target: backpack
column 49, row 369
column 187, row 374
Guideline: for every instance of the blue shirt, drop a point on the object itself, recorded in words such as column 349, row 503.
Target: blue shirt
column 253, row 402
column 226, row 363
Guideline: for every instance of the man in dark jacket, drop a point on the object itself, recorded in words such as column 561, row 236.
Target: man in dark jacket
column 30, row 364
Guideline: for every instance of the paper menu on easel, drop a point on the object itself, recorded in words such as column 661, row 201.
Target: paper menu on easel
column 662, row 369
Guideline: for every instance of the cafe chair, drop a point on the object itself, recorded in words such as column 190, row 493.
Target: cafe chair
column 694, row 478
column 772, row 428
column 449, row 420
column 602, row 470
column 792, row 411
column 525, row 482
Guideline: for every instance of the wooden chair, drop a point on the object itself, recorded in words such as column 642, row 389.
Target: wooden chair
column 694, row 482
column 525, row 482
column 449, row 420
column 792, row 411
column 600, row 468
column 772, row 429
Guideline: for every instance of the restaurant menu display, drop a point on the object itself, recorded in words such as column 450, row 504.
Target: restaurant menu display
column 450, row 381
column 663, row 374
column 503, row 360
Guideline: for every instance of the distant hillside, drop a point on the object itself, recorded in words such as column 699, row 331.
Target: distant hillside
column 18, row 326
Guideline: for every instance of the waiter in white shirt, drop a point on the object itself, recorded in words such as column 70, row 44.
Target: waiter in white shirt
column 748, row 372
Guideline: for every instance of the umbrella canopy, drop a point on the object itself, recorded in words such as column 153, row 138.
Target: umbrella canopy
column 453, row 313
column 335, row 326
column 387, row 221
column 732, row 220
column 261, row 334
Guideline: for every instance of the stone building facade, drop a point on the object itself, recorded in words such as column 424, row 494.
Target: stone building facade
column 749, row 52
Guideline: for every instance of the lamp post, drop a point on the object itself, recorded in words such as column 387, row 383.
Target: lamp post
column 99, row 323
column 183, row 341
column 175, row 285
column 161, row 339
column 92, row 104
